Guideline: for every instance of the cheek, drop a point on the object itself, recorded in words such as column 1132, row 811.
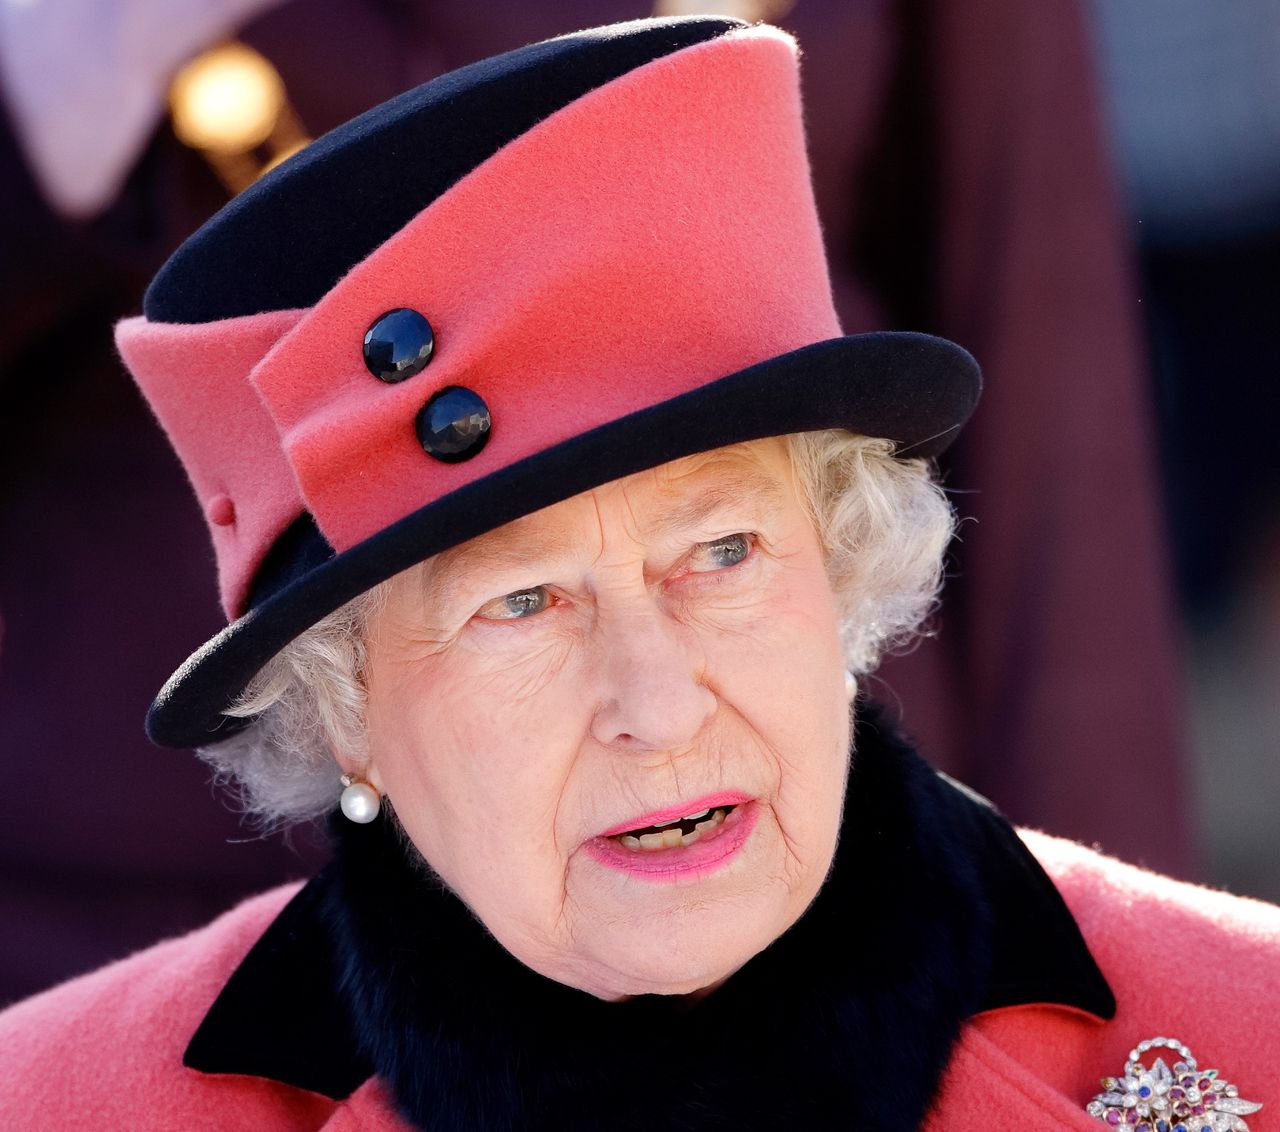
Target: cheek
column 785, row 679
column 511, row 668
column 786, row 649
column 474, row 763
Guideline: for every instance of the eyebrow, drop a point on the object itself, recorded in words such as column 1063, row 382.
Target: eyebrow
column 515, row 547
column 511, row 548
column 726, row 493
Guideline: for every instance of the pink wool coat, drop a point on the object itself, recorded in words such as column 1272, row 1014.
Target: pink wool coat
column 105, row 1051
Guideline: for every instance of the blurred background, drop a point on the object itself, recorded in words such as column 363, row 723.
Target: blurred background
column 1086, row 195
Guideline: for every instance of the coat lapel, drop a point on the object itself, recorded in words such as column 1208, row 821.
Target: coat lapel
column 371, row 1108
column 985, row 1088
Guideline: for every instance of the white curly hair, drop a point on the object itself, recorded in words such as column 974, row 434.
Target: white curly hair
column 884, row 524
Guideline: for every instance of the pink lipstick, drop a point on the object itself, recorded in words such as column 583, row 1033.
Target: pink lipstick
column 674, row 813
column 680, row 843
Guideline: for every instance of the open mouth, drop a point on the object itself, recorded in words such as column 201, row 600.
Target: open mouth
column 676, row 847
column 683, row 831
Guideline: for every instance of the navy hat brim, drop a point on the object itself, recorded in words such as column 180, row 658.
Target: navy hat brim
column 913, row 389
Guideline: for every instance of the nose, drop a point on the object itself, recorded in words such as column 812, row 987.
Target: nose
column 651, row 693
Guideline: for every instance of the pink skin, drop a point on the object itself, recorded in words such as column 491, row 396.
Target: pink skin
column 650, row 659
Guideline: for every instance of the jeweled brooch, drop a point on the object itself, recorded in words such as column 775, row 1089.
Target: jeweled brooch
column 1185, row 1098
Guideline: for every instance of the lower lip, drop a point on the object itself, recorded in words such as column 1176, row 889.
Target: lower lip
column 685, row 862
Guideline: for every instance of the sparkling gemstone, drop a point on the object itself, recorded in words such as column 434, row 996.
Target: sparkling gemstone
column 1237, row 1106
column 1144, row 1091
column 1113, row 1116
column 454, row 425
column 1176, row 1094
column 1162, row 1126
column 398, row 345
column 1204, row 1084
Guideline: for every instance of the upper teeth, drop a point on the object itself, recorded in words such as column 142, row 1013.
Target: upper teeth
column 671, row 838
column 687, row 817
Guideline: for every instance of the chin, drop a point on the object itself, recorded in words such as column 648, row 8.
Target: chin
column 667, row 978
column 685, row 953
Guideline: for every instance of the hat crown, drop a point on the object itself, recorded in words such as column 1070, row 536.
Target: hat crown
column 365, row 180
column 652, row 236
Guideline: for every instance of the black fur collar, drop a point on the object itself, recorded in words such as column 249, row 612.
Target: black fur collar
column 933, row 912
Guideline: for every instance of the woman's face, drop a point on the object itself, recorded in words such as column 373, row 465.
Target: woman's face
column 660, row 646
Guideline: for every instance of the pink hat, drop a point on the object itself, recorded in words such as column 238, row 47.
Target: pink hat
column 517, row 282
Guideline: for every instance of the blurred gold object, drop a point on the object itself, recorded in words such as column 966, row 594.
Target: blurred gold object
column 226, row 100
column 284, row 155
column 749, row 10
column 230, row 103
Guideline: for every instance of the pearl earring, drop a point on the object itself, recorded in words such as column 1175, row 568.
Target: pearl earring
column 850, row 685
column 360, row 802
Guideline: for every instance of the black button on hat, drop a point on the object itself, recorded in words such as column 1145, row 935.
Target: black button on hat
column 398, row 345
column 454, row 425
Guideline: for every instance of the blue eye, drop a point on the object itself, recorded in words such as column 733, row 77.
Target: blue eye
column 726, row 552
column 512, row 606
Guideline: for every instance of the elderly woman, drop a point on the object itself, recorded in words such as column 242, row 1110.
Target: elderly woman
column 557, row 520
